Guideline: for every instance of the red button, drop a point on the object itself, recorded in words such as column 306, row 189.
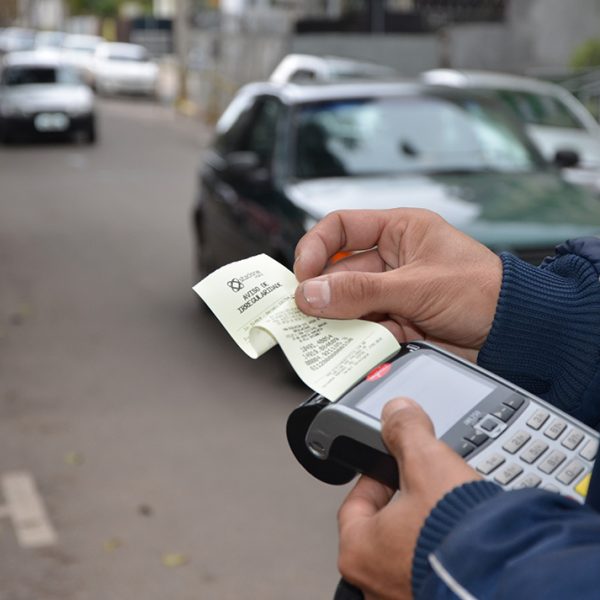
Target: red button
column 379, row 372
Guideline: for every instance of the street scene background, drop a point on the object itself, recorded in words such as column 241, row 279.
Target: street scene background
column 142, row 454
column 153, row 439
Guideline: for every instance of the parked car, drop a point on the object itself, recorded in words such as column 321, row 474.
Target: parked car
column 309, row 68
column 39, row 95
column 16, row 39
column 124, row 69
column 285, row 156
column 49, row 39
column 560, row 125
column 78, row 51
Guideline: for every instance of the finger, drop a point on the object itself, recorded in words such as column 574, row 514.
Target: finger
column 350, row 295
column 342, row 230
column 365, row 500
column 369, row 261
column 406, row 431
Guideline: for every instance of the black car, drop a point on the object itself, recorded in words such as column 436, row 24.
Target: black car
column 285, row 156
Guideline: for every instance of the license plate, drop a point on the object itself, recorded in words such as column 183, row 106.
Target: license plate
column 51, row 122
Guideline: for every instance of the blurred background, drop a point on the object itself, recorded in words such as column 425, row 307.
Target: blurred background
column 144, row 144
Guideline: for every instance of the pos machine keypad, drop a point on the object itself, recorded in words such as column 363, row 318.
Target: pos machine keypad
column 537, row 449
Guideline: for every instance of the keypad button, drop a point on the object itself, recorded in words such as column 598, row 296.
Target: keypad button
column 504, row 413
column 534, row 451
column 465, row 448
column 570, row 472
column 488, row 424
column 552, row 461
column 573, row 439
column 555, row 429
column 529, row 480
column 487, row 465
column 582, row 487
column 538, row 418
column 515, row 402
column 551, row 488
column 477, row 438
column 516, row 442
column 508, row 473
column 590, row 450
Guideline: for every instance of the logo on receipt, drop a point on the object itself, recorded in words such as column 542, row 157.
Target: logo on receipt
column 236, row 285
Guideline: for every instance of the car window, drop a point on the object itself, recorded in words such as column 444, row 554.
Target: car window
column 262, row 132
column 233, row 123
column 26, row 75
column 540, row 109
column 134, row 54
column 416, row 134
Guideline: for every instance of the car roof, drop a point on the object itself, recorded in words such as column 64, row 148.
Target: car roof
column 490, row 79
column 294, row 93
column 37, row 58
column 123, row 45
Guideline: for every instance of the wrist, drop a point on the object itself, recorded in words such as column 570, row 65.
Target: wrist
column 544, row 317
column 444, row 517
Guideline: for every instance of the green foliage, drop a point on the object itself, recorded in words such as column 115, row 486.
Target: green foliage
column 102, row 8
column 587, row 54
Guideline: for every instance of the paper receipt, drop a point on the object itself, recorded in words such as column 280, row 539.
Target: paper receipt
column 254, row 300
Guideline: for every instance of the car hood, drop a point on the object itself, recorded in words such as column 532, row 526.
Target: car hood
column 501, row 210
column 551, row 139
column 34, row 98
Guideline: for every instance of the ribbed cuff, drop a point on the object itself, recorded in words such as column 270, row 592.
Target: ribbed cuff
column 443, row 518
column 546, row 329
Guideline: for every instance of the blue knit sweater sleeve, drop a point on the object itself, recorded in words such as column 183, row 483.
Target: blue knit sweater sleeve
column 481, row 542
column 546, row 332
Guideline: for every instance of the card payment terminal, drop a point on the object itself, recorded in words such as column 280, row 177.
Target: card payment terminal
column 508, row 435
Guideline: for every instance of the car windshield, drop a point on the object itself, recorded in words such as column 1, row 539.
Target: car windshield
column 129, row 54
column 26, row 75
column 540, row 109
column 413, row 134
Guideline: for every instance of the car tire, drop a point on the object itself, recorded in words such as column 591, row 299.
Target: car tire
column 90, row 134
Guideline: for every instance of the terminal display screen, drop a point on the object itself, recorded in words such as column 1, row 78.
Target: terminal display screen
column 445, row 391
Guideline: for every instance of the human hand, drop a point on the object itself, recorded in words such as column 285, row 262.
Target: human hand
column 378, row 535
column 412, row 271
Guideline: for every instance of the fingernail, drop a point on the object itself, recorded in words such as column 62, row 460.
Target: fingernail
column 317, row 292
column 394, row 406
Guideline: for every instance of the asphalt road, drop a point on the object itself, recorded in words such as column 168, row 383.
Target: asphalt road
column 157, row 447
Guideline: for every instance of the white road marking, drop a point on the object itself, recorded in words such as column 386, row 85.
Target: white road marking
column 24, row 506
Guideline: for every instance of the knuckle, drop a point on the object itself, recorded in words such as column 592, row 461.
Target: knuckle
column 358, row 287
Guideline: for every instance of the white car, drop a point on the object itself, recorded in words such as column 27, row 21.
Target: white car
column 305, row 68
column 39, row 96
column 124, row 69
column 78, row 51
column 562, row 128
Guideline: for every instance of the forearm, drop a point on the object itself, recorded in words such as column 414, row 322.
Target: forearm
column 485, row 543
column 546, row 331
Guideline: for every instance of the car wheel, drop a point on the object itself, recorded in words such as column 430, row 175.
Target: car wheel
column 90, row 134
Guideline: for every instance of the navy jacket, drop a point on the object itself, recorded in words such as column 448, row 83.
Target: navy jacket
column 482, row 542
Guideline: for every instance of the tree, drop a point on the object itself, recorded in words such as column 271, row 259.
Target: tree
column 587, row 54
column 102, row 8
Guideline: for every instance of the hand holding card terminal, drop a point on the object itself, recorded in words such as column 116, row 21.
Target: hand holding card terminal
column 508, row 435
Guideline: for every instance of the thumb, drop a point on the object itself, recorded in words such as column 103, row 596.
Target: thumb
column 347, row 294
column 407, row 432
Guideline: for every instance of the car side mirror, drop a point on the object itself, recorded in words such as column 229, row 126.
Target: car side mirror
column 565, row 159
column 247, row 166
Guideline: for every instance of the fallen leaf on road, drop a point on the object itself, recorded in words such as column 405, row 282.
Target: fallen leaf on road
column 112, row 544
column 174, row 560
column 74, row 458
